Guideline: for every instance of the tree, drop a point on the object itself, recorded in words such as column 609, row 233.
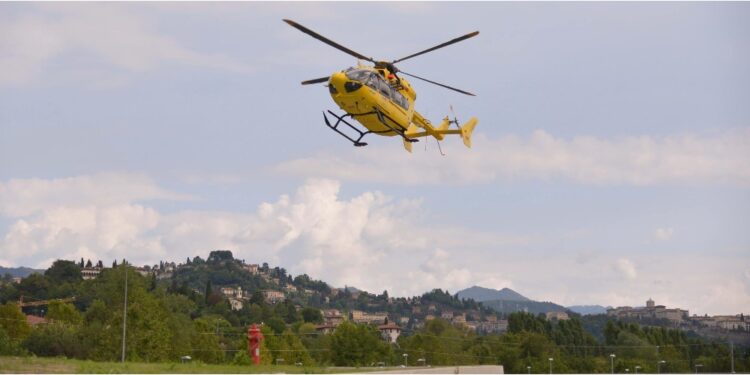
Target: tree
column 13, row 321
column 63, row 271
column 258, row 298
column 209, row 290
column 148, row 335
column 218, row 256
column 152, row 285
column 88, row 264
column 206, row 341
column 52, row 340
column 357, row 345
column 276, row 324
column 312, row 315
column 64, row 312
column 8, row 346
column 36, row 286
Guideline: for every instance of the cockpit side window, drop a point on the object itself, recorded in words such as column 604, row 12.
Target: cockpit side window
column 400, row 99
column 384, row 87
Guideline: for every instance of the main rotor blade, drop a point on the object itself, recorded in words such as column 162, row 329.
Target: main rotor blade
column 327, row 41
column 439, row 84
column 316, row 80
column 467, row 36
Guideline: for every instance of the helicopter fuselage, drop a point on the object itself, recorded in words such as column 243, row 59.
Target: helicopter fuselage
column 379, row 105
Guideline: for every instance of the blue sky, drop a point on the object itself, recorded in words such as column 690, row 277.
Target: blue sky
column 610, row 163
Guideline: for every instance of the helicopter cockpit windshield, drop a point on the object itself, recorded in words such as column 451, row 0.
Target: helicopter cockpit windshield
column 377, row 83
column 360, row 75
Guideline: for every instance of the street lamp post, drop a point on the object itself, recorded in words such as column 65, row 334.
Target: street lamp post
column 637, row 368
column 550, row 364
column 612, row 361
column 658, row 366
column 124, row 312
column 696, row 367
column 406, row 360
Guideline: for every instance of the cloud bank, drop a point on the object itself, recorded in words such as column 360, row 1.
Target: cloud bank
column 109, row 38
column 371, row 241
column 637, row 161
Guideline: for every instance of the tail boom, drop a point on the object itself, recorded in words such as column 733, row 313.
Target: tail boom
column 422, row 127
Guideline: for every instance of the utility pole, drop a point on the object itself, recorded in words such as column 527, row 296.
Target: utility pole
column 124, row 312
column 550, row 364
column 731, row 343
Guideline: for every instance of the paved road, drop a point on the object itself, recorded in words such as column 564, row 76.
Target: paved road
column 445, row 370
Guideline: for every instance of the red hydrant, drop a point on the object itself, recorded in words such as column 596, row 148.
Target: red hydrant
column 254, row 337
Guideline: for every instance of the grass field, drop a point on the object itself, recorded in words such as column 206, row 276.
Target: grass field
column 27, row 365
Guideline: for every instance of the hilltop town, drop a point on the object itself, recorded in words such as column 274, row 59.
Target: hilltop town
column 202, row 308
column 238, row 283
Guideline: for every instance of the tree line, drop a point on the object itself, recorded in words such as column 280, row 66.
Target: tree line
column 168, row 320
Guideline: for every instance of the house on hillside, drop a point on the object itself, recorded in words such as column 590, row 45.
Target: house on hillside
column 358, row 316
column 33, row 320
column 332, row 317
column 557, row 315
column 459, row 319
column 231, row 292
column 251, row 268
column 235, row 303
column 325, row 328
column 89, row 273
column 144, row 271
column 651, row 311
column 389, row 331
column 273, row 296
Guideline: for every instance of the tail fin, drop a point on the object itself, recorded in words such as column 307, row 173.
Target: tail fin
column 444, row 125
column 412, row 130
column 467, row 129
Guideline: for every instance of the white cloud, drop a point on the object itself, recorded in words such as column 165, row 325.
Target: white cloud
column 370, row 241
column 101, row 33
column 626, row 268
column 663, row 234
column 24, row 197
column 313, row 231
column 639, row 161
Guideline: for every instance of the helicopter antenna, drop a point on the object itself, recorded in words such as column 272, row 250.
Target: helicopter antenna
column 455, row 119
column 440, row 148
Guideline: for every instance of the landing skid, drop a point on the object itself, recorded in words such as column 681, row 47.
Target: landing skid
column 341, row 120
column 361, row 134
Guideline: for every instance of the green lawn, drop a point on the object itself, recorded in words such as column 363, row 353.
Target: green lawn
column 63, row 365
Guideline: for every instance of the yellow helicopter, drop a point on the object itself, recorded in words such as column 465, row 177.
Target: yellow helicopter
column 382, row 101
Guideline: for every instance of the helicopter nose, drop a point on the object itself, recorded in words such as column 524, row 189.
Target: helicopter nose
column 337, row 82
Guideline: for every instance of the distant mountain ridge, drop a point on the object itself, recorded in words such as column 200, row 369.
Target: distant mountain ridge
column 18, row 271
column 481, row 294
column 508, row 301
